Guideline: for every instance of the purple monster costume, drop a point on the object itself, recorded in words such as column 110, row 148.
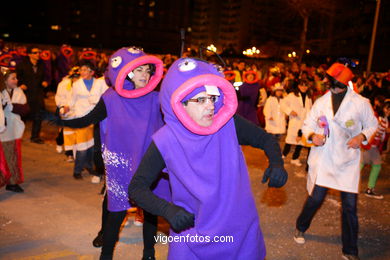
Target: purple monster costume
column 247, row 104
column 132, row 117
column 207, row 170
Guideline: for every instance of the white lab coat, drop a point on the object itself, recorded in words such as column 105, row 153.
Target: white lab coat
column 333, row 165
column 294, row 103
column 272, row 110
column 15, row 126
column 83, row 101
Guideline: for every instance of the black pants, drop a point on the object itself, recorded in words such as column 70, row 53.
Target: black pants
column 97, row 151
column 297, row 150
column 36, row 118
column 111, row 223
column 349, row 217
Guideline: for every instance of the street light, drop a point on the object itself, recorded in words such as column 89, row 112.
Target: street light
column 251, row 52
column 211, row 47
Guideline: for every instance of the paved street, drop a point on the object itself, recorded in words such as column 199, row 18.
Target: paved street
column 57, row 217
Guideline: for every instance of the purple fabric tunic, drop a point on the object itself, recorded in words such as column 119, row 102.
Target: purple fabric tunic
column 247, row 108
column 126, row 133
column 209, row 178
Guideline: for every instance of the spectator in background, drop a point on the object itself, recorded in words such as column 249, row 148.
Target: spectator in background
column 371, row 153
column 275, row 119
column 31, row 73
column 296, row 105
column 63, row 97
column 248, row 95
column 15, row 105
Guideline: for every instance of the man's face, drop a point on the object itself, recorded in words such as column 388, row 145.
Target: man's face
column 241, row 66
column 86, row 72
column 202, row 112
column 333, row 88
column 303, row 88
column 141, row 76
column 34, row 54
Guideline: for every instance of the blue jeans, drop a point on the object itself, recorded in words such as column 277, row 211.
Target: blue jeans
column 84, row 159
column 350, row 225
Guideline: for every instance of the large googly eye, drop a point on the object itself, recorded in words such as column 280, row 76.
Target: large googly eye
column 116, row 61
column 134, row 50
column 187, row 65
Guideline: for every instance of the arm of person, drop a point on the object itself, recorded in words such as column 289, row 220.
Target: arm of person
column 250, row 134
column 267, row 111
column 285, row 105
column 139, row 190
column 97, row 114
column 369, row 122
column 310, row 128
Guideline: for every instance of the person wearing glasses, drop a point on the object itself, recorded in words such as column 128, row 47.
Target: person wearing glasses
column 31, row 73
column 199, row 148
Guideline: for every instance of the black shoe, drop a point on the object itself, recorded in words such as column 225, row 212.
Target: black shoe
column 14, row 188
column 98, row 241
column 37, row 140
column 77, row 176
column 148, row 258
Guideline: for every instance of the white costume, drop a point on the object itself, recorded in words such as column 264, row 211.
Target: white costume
column 63, row 95
column 333, row 165
column 294, row 103
column 83, row 101
column 272, row 109
column 15, row 126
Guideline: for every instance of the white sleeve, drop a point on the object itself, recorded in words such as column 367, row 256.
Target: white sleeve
column 368, row 119
column 310, row 124
column 285, row 105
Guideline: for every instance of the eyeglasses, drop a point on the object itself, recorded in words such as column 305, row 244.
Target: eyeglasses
column 35, row 52
column 203, row 100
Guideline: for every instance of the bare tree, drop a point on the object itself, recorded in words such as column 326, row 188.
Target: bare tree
column 305, row 9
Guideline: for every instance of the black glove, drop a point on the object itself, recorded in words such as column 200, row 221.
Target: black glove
column 179, row 218
column 277, row 176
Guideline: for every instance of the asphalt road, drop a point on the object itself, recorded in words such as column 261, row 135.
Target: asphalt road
column 57, row 217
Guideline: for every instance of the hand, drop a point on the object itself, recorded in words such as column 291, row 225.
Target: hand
column 64, row 110
column 318, row 140
column 277, row 176
column 179, row 218
column 293, row 113
column 24, row 87
column 355, row 141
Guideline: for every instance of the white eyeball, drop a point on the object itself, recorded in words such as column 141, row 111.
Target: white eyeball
column 187, row 65
column 116, row 61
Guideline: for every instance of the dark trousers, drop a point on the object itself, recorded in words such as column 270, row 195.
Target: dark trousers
column 111, row 223
column 296, row 153
column 36, row 124
column 97, row 152
column 350, row 226
column 84, row 159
